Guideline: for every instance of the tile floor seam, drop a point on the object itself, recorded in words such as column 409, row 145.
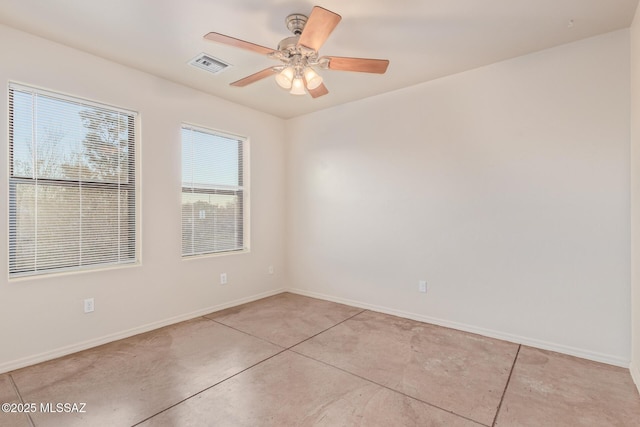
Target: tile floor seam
column 291, row 346
column 256, row 364
column 17, row 391
column 208, row 388
column 391, row 389
column 325, row 330
column 506, row 386
column 244, row 332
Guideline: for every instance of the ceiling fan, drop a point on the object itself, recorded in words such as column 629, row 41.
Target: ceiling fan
column 299, row 54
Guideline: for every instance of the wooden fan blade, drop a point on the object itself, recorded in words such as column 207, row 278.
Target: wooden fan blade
column 361, row 65
column 319, row 26
column 231, row 41
column 254, row 77
column 319, row 91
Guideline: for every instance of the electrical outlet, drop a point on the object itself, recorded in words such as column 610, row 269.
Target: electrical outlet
column 422, row 285
column 89, row 305
column 223, row 278
column 270, row 269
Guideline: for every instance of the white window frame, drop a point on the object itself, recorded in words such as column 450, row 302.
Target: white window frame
column 244, row 165
column 134, row 186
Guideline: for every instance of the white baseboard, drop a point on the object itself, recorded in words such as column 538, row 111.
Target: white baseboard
column 635, row 374
column 63, row 351
column 572, row 351
column 84, row 345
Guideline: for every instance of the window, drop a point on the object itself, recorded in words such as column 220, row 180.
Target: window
column 72, row 198
column 213, row 192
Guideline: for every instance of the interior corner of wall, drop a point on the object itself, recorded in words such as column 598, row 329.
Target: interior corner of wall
column 635, row 374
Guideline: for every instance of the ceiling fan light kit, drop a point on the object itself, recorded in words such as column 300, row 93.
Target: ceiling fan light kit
column 297, row 87
column 299, row 54
column 285, row 77
column 312, row 78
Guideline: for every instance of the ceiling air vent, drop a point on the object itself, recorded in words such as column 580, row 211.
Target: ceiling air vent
column 209, row 63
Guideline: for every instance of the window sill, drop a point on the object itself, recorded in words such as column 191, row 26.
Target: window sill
column 215, row 255
column 72, row 271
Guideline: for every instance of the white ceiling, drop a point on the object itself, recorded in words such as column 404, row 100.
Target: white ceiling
column 423, row 39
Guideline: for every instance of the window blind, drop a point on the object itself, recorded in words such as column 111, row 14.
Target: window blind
column 213, row 192
column 72, row 201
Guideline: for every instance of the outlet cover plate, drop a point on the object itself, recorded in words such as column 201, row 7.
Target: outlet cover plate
column 422, row 286
column 89, row 305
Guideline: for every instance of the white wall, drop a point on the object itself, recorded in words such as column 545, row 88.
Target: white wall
column 635, row 198
column 505, row 187
column 42, row 317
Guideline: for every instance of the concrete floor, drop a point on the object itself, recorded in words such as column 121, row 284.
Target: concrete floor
column 290, row 360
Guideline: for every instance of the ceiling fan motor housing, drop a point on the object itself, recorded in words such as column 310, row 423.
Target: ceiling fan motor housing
column 288, row 44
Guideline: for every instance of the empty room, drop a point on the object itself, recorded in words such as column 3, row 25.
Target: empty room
column 287, row 213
